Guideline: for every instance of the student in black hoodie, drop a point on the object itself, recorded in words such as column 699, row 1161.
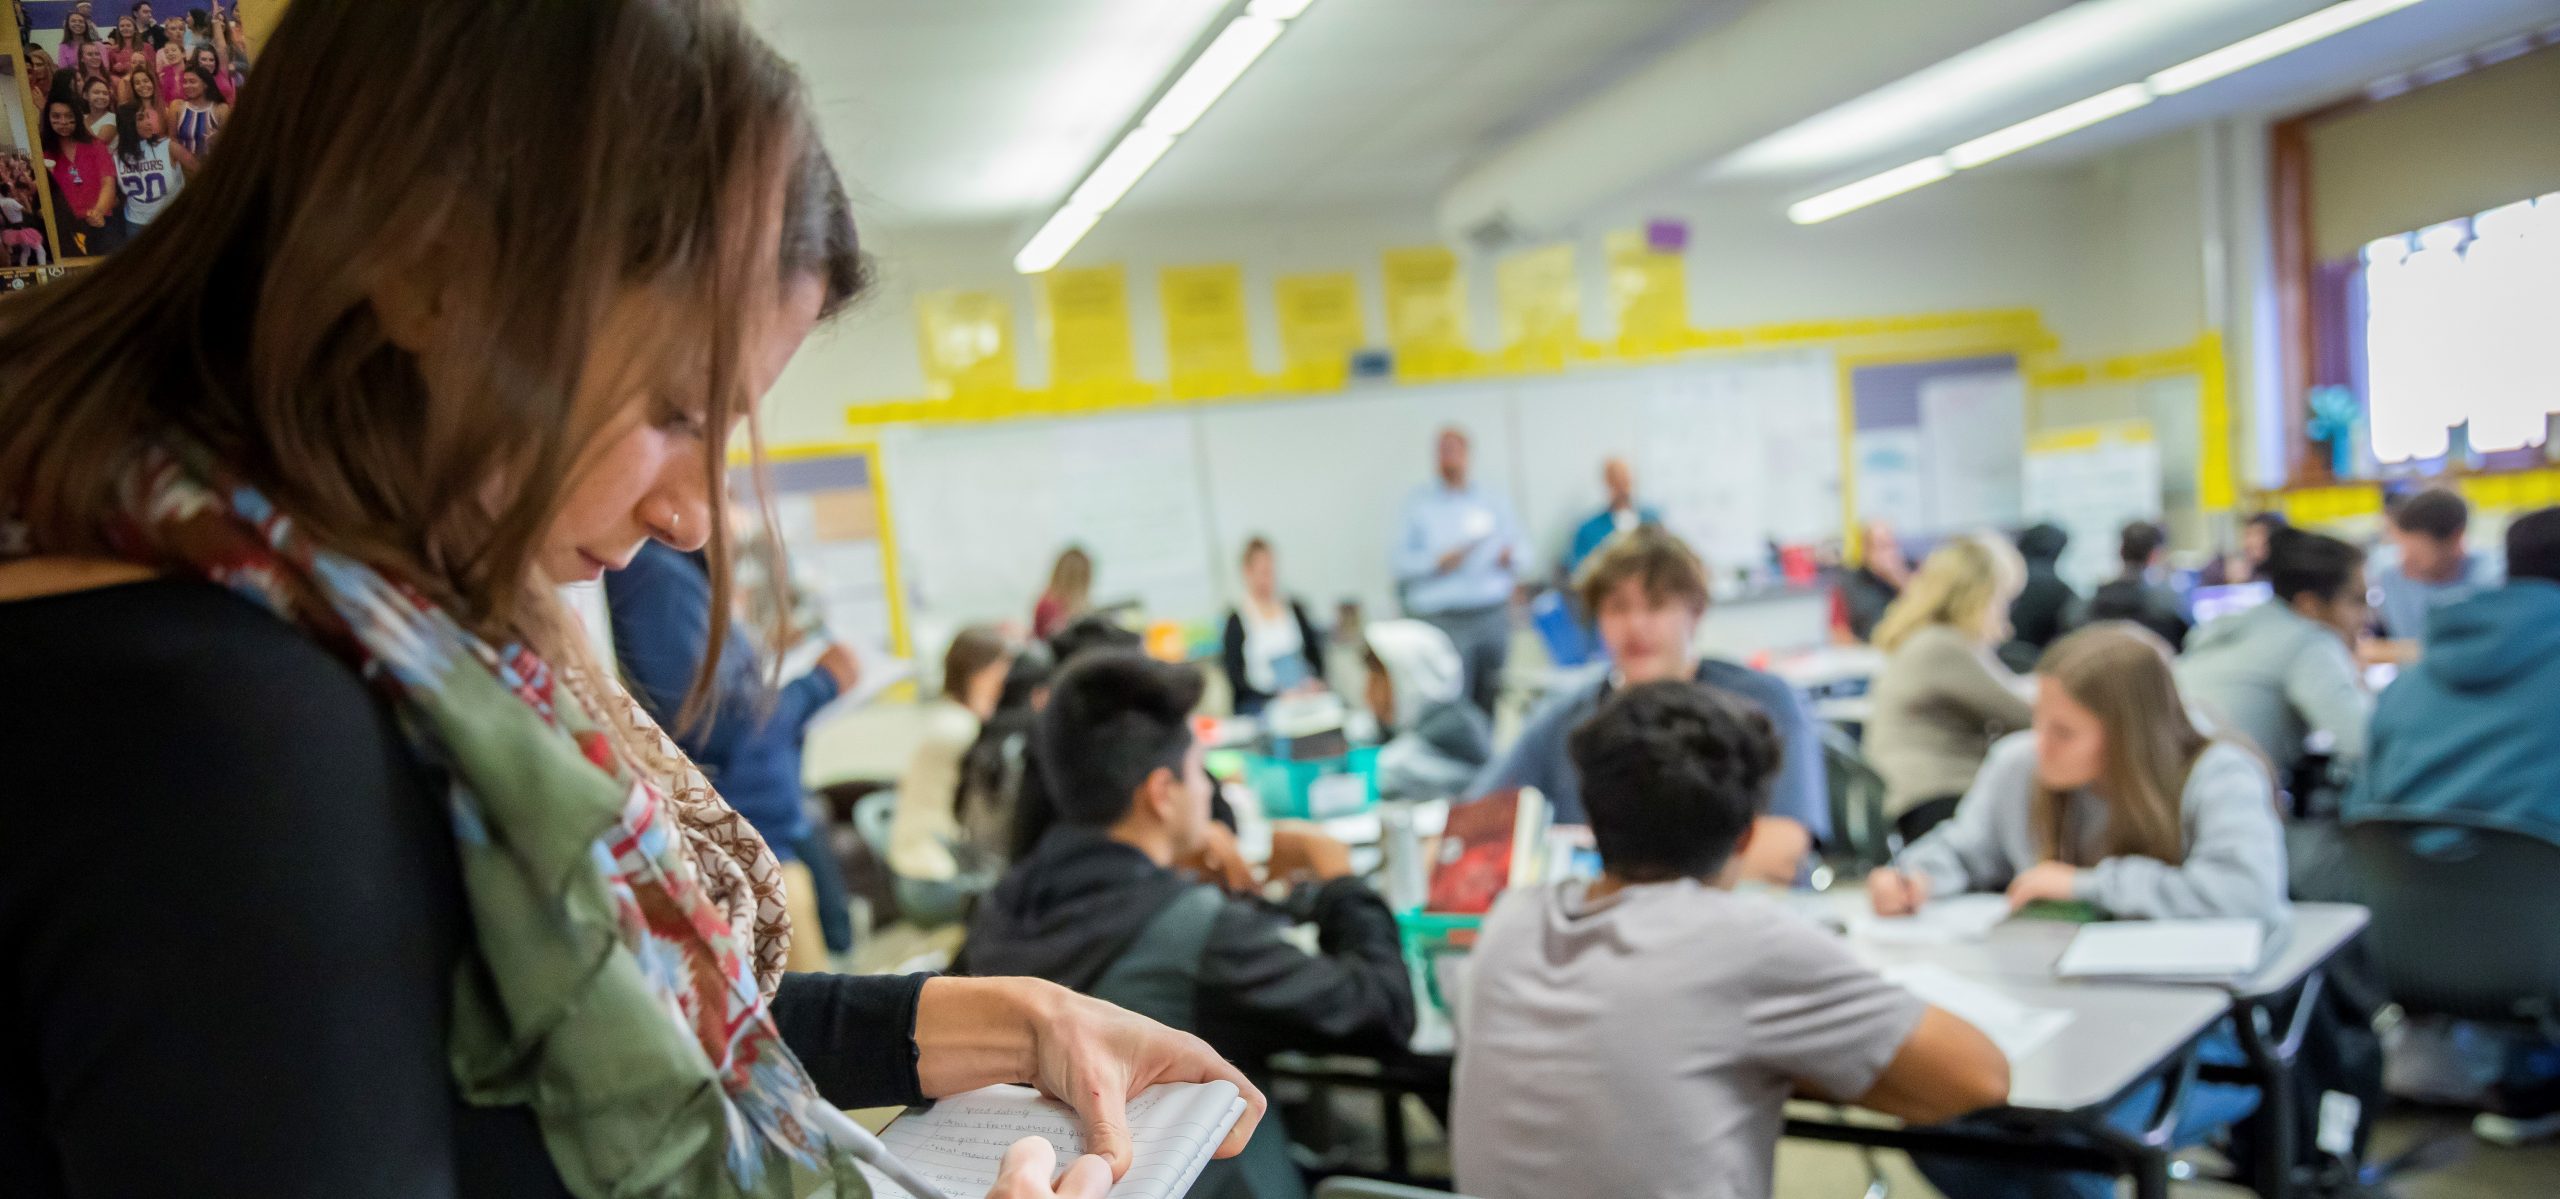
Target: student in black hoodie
column 2042, row 612
column 1098, row 907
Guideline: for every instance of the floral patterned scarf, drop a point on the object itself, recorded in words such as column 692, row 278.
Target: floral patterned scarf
column 625, row 939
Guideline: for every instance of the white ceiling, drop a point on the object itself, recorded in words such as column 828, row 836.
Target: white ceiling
column 976, row 111
column 954, row 111
column 1373, row 101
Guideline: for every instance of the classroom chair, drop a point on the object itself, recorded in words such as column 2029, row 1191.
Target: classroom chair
column 1364, row 1188
column 1858, row 825
column 925, row 905
column 2466, row 922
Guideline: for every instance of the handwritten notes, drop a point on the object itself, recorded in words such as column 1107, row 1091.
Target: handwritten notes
column 959, row 1144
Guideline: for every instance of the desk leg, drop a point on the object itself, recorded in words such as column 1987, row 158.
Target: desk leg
column 2150, row 1170
column 2271, row 1175
column 1399, row 1149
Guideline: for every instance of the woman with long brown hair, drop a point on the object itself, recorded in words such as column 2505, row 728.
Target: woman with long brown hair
column 1068, row 595
column 2115, row 797
column 340, row 869
column 2118, row 800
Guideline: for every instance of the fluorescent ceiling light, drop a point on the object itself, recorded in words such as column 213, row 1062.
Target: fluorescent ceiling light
column 1869, row 190
column 1218, row 67
column 1066, row 227
column 2290, row 36
column 2048, row 57
column 2035, row 131
column 1119, row 170
column 1224, row 61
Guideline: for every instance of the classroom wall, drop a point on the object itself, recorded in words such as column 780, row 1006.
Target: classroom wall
column 1998, row 239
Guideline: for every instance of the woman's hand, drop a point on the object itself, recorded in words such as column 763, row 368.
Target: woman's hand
column 2044, row 880
column 1894, row 893
column 1087, row 1054
column 1031, row 1161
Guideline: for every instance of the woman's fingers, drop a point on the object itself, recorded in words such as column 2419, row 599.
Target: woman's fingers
column 1088, row 1178
column 1026, row 1170
column 1029, row 1165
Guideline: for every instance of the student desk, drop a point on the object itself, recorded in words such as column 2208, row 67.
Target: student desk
column 2121, row 1037
column 2270, row 1009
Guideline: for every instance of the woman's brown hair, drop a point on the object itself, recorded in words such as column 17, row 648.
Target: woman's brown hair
column 976, row 648
column 619, row 151
column 1071, row 579
column 2120, row 672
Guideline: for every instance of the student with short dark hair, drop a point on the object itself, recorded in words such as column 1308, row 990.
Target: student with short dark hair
column 2281, row 671
column 1647, row 592
column 2245, row 566
column 2428, row 568
column 2465, row 735
column 1098, row 906
column 1641, row 1033
column 2138, row 594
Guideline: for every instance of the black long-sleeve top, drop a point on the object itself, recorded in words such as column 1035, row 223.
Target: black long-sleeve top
column 230, row 918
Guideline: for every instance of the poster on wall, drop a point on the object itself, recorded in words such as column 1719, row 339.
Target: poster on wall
column 831, row 511
column 122, row 100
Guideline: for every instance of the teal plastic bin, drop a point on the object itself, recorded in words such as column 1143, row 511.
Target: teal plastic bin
column 1316, row 790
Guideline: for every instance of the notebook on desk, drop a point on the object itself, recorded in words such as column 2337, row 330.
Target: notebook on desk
column 959, row 1142
column 2164, row 951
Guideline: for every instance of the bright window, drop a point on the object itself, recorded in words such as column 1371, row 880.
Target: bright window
column 2462, row 326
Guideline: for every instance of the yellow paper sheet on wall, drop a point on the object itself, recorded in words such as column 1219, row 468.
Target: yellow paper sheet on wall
column 1208, row 351
column 1085, row 314
column 1426, row 311
column 1541, row 305
column 1648, row 294
column 967, row 341
column 1320, row 327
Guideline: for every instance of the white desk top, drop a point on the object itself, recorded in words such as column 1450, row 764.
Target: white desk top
column 2117, row 1035
column 1846, row 709
column 2028, row 949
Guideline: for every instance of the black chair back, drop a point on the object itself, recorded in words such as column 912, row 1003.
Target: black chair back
column 2466, row 921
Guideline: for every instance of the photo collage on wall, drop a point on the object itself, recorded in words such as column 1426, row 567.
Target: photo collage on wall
column 106, row 108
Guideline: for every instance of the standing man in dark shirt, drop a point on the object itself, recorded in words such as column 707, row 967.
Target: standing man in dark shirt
column 1097, row 904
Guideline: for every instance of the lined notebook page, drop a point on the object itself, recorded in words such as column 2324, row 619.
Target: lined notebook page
column 959, row 1144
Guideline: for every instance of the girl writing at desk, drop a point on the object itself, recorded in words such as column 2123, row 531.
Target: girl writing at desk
column 2116, row 799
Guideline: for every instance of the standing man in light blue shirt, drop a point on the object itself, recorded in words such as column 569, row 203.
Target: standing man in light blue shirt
column 2432, row 568
column 1455, row 563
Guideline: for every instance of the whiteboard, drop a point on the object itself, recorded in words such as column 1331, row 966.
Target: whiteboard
column 1326, row 480
column 983, row 511
column 1735, row 451
column 2092, row 482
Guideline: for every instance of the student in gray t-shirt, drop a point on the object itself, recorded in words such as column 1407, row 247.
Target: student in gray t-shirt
column 1640, row 1034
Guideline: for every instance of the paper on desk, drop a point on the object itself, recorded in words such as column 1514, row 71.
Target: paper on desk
column 1939, row 922
column 2164, row 950
column 2017, row 1028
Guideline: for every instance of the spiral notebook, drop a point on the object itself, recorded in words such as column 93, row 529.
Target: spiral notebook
column 958, row 1143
